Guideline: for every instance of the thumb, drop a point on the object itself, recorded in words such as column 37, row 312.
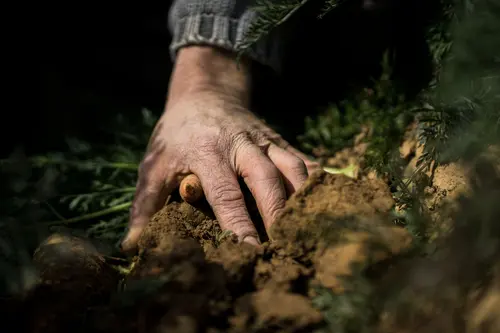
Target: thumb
column 150, row 196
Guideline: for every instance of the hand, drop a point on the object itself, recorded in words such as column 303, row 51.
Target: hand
column 207, row 130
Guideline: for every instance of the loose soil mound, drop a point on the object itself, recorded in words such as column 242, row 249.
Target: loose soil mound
column 191, row 277
column 335, row 262
column 333, row 228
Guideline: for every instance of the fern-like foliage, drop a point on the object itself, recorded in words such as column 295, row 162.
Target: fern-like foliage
column 465, row 112
column 89, row 187
column 347, row 312
column 330, row 5
column 330, row 131
column 271, row 14
column 380, row 108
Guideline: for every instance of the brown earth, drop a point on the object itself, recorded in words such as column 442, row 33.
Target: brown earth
column 332, row 229
column 335, row 262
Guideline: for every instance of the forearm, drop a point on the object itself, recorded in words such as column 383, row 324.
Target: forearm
column 222, row 24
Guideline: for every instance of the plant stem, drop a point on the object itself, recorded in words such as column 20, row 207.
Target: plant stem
column 93, row 215
column 118, row 190
column 287, row 16
column 42, row 160
column 53, row 210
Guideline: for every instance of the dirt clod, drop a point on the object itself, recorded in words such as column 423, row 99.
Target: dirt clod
column 267, row 310
column 238, row 261
column 186, row 287
column 73, row 276
column 325, row 206
column 268, row 287
column 65, row 260
column 181, row 220
column 282, row 274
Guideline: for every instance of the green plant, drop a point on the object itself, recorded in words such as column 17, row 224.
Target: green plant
column 380, row 108
column 349, row 311
column 92, row 184
column 330, row 131
column 272, row 14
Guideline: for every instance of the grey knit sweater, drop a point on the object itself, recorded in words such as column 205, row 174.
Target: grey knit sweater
column 221, row 23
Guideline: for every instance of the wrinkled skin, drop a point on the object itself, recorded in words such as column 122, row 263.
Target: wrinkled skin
column 207, row 130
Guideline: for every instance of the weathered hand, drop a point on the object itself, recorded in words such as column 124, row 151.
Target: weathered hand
column 208, row 131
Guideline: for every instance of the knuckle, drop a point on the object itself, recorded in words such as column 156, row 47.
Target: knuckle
column 298, row 166
column 147, row 184
column 247, row 232
column 150, row 165
column 238, row 223
column 145, row 165
column 237, row 140
column 313, row 166
column 269, row 173
column 208, row 143
column 137, row 215
column 259, row 137
column 150, row 190
column 263, row 173
column 274, row 199
column 213, row 144
column 224, row 194
column 277, row 203
column 134, row 210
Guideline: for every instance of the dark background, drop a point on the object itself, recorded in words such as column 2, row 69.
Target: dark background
column 97, row 61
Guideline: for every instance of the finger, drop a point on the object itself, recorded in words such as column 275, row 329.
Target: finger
column 311, row 165
column 292, row 167
column 190, row 189
column 263, row 180
column 152, row 191
column 224, row 195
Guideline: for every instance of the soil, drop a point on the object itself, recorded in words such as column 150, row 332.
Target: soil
column 240, row 288
column 336, row 261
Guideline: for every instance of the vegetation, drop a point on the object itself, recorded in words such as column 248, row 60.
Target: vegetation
column 89, row 188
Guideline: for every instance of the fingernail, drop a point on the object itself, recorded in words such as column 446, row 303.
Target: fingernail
column 251, row 240
column 130, row 240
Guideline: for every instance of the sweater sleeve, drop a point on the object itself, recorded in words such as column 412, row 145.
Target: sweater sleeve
column 220, row 23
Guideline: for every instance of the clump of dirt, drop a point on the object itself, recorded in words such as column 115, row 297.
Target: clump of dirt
column 335, row 219
column 335, row 261
column 282, row 273
column 443, row 185
column 187, row 285
column 456, row 288
column 269, row 310
column 183, row 221
column 65, row 260
column 191, row 277
column 332, row 227
column 449, row 183
column 335, row 241
column 239, row 262
column 73, row 276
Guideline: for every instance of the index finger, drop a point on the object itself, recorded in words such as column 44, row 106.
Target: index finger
column 264, row 181
column 224, row 195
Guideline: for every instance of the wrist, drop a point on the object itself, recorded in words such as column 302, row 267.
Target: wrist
column 206, row 68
